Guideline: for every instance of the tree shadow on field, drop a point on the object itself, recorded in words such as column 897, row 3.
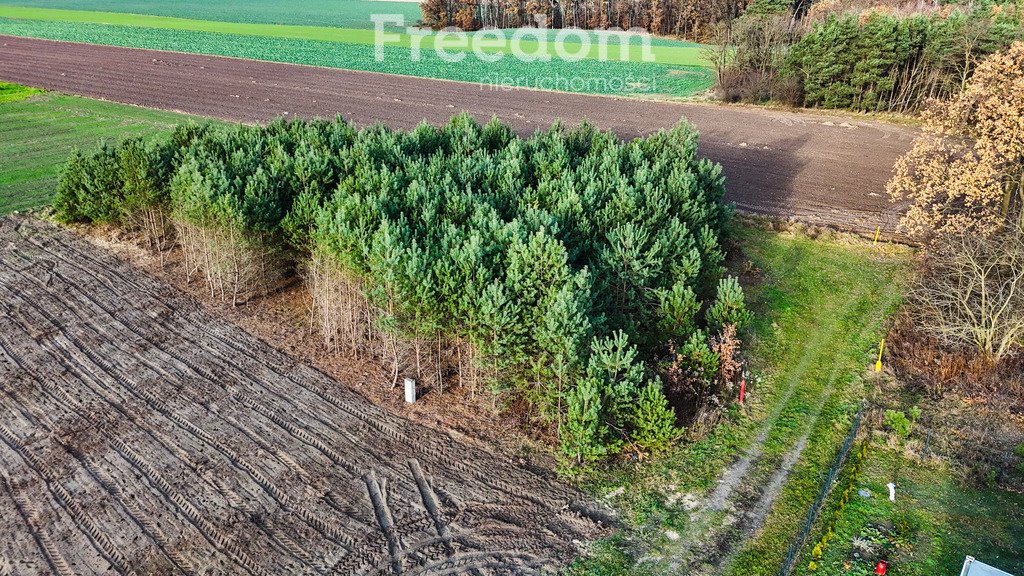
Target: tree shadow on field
column 767, row 175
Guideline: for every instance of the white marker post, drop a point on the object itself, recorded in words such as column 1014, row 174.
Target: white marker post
column 410, row 390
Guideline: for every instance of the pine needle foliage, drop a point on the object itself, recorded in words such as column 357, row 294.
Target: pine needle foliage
column 557, row 269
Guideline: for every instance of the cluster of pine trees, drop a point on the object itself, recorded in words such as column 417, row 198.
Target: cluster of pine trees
column 559, row 268
column 871, row 59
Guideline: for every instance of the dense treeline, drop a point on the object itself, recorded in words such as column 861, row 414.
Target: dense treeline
column 683, row 18
column 872, row 59
column 562, row 268
column 865, row 55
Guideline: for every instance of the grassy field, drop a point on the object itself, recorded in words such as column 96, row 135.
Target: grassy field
column 38, row 133
column 934, row 523
column 821, row 307
column 14, row 92
column 679, row 69
column 335, row 13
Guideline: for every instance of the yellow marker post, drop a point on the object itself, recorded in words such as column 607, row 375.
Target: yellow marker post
column 881, row 348
column 878, row 234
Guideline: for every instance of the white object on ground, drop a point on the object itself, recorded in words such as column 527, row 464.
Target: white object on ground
column 410, row 390
column 892, row 491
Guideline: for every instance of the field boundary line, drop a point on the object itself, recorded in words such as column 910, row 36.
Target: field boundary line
column 826, row 489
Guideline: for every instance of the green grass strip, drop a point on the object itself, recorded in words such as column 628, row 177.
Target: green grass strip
column 821, row 306
column 588, row 76
column 677, row 54
column 333, row 13
column 37, row 135
column 14, row 92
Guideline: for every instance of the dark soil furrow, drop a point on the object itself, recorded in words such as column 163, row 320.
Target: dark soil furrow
column 183, row 444
column 826, row 170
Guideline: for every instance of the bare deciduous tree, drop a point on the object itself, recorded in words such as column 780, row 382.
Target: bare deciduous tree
column 971, row 293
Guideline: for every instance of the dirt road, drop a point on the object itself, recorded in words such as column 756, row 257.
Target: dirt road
column 140, row 435
column 821, row 169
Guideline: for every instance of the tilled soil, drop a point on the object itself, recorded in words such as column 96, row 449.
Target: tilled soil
column 139, row 434
column 825, row 170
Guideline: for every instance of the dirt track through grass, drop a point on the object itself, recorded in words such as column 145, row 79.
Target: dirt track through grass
column 755, row 517
column 816, row 372
column 712, row 529
column 842, row 328
column 140, row 435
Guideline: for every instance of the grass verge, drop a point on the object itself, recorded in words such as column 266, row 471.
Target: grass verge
column 935, row 522
column 821, row 306
column 37, row 135
column 336, row 13
column 14, row 92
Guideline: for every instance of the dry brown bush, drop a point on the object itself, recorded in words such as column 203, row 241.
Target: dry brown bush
column 727, row 346
column 965, row 174
column 236, row 267
column 969, row 294
column 925, row 363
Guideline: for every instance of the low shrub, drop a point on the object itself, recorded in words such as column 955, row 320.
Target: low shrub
column 897, row 423
column 89, row 189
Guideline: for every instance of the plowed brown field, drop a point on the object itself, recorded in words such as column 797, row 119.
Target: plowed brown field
column 138, row 434
column 821, row 169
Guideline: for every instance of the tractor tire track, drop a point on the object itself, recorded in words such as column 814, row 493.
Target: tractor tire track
column 141, row 435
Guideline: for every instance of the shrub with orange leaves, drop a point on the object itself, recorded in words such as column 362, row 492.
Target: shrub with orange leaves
column 965, row 174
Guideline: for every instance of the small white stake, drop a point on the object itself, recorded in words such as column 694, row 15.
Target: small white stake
column 410, row 390
column 892, row 491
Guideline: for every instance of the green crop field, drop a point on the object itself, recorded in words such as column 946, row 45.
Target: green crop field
column 39, row 132
column 678, row 68
column 663, row 51
column 335, row 13
column 587, row 76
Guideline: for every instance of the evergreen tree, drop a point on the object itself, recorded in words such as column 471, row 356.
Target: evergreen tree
column 729, row 306
column 562, row 264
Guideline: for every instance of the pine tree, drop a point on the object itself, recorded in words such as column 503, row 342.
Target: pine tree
column 653, row 422
column 584, row 437
column 729, row 306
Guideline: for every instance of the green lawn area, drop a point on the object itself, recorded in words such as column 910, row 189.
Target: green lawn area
column 38, row 134
column 679, row 68
column 934, row 523
column 821, row 306
column 833, row 300
column 14, row 92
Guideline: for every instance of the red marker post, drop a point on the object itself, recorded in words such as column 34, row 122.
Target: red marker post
column 743, row 389
column 881, row 568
